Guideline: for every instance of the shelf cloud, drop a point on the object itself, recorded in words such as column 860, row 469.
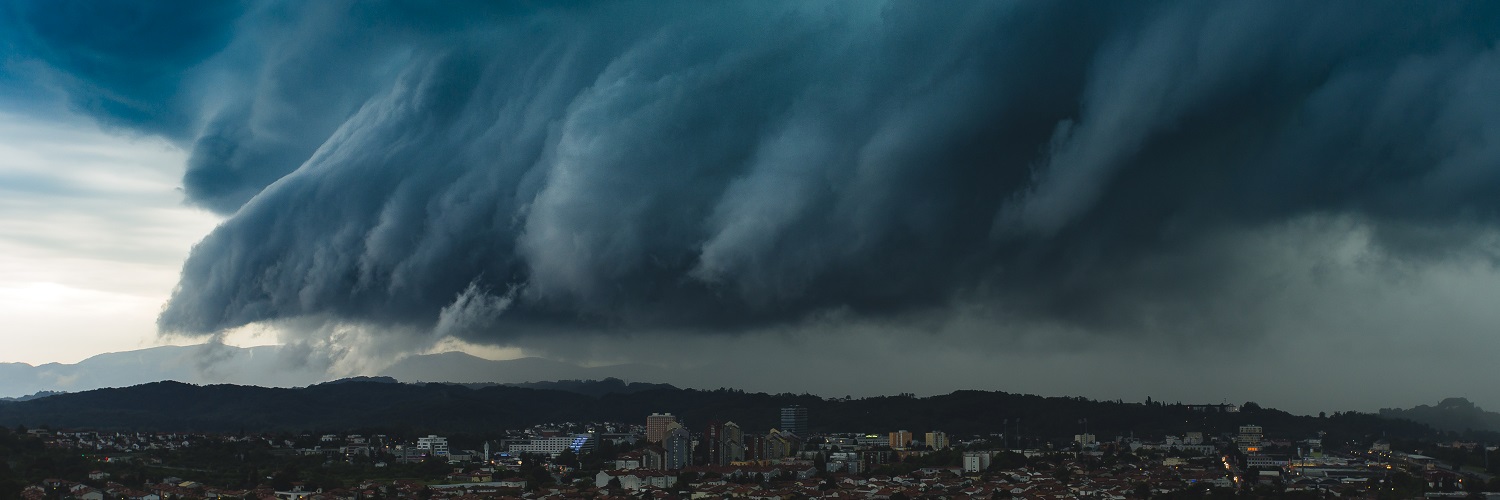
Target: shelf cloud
column 503, row 172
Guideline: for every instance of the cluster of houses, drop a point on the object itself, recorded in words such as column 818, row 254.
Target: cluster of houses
column 108, row 490
column 724, row 462
column 120, row 442
column 795, row 479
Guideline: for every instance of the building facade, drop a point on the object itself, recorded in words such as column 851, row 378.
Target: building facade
column 899, row 440
column 937, row 440
column 554, row 446
column 723, row 443
column 433, row 445
column 977, row 461
column 677, row 447
column 794, row 420
column 1249, row 438
column 656, row 426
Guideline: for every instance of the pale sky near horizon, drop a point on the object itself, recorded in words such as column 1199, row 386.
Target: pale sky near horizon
column 93, row 232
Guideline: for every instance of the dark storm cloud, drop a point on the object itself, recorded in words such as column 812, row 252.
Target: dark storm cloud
column 718, row 166
column 121, row 61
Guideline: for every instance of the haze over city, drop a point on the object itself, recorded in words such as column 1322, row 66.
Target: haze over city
column 1291, row 203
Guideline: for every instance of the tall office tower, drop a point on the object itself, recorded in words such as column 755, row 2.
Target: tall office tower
column 755, row 447
column 678, row 445
column 723, row 442
column 656, row 426
column 794, row 420
column 712, row 444
column 734, row 443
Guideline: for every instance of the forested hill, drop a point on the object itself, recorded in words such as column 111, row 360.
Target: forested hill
column 1454, row 414
column 173, row 406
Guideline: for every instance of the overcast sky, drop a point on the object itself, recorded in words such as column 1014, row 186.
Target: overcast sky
column 1280, row 201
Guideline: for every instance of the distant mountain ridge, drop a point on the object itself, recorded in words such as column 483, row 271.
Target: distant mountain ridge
column 361, row 378
column 413, row 409
column 265, row 365
column 459, row 367
column 596, row 388
column 270, row 366
column 1452, row 414
column 37, row 395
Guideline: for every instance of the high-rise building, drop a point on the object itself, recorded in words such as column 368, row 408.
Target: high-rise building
column 755, row 447
column 779, row 444
column 723, row 443
column 774, row 445
column 656, row 426
column 678, row 447
column 711, row 447
column 900, row 439
column 734, row 443
column 1249, row 439
column 937, row 440
column 653, row 457
column 794, row 420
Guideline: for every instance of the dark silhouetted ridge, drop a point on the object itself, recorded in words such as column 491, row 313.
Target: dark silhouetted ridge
column 1451, row 414
column 455, row 408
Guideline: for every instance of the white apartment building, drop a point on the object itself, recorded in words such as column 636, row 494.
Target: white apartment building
column 433, row 445
column 553, row 446
column 976, row 461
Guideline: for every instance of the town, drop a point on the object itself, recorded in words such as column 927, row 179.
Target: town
column 664, row 457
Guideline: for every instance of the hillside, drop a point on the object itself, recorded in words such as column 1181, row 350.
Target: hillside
column 1452, row 414
column 596, row 388
column 460, row 367
column 449, row 408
